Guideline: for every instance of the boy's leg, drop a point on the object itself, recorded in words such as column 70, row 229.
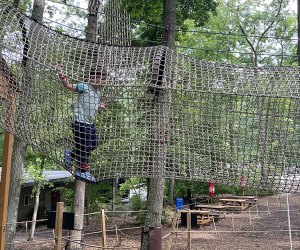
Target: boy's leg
column 83, row 149
column 70, row 154
column 92, row 140
column 76, row 152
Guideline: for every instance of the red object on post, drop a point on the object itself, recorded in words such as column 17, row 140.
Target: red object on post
column 243, row 181
column 211, row 188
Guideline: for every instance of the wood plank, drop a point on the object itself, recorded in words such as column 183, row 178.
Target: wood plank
column 58, row 225
column 189, row 227
column 232, row 200
column 174, row 223
column 103, row 228
column 195, row 211
column 217, row 207
column 4, row 185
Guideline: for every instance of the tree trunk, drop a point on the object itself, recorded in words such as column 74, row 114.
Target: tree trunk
column 35, row 210
column 19, row 158
column 114, row 193
column 78, row 209
column 17, row 168
column 298, row 20
column 161, row 124
column 79, row 196
column 171, row 191
column 16, row 3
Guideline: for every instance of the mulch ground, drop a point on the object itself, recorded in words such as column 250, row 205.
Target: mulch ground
column 264, row 226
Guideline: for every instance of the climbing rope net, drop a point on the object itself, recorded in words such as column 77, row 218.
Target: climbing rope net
column 167, row 114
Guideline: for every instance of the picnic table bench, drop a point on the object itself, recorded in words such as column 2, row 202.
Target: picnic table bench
column 234, row 203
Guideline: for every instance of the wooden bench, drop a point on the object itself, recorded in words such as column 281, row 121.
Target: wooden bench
column 234, row 203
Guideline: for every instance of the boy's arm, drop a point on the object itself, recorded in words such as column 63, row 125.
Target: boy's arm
column 102, row 106
column 63, row 79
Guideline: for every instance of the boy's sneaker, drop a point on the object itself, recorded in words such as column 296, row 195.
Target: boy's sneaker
column 85, row 176
column 84, row 166
column 67, row 158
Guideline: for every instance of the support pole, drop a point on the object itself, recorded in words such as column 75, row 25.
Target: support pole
column 103, row 228
column 289, row 221
column 4, row 185
column 174, row 223
column 58, row 225
column 189, row 228
column 6, row 161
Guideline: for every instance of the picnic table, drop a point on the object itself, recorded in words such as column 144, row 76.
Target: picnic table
column 234, row 203
column 203, row 216
column 251, row 200
column 207, row 206
column 217, row 211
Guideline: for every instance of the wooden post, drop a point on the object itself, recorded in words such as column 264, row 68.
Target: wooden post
column 174, row 223
column 4, row 185
column 103, row 228
column 117, row 236
column 189, row 227
column 7, row 157
column 58, row 225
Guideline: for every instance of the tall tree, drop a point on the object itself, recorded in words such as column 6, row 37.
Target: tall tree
column 161, row 110
column 80, row 186
column 36, row 168
column 298, row 19
column 152, row 12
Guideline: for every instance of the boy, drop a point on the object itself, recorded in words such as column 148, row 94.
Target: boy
column 83, row 127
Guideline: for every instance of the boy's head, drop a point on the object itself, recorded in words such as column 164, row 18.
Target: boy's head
column 97, row 76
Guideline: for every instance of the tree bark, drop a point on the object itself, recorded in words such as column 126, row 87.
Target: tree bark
column 35, row 210
column 298, row 20
column 16, row 3
column 78, row 209
column 19, row 158
column 79, row 196
column 159, row 129
column 171, row 191
column 17, row 168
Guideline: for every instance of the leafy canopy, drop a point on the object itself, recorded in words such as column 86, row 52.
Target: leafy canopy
column 151, row 12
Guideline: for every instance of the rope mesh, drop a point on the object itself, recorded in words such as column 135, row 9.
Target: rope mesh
column 167, row 114
column 114, row 24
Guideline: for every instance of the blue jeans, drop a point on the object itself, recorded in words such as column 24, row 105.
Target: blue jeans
column 86, row 140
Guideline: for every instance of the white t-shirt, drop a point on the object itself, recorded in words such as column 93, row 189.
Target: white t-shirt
column 87, row 102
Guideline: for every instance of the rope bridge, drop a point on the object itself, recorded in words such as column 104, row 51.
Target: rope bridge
column 167, row 114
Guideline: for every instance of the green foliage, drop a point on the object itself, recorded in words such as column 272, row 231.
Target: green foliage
column 152, row 12
column 198, row 10
column 211, row 43
column 201, row 189
column 67, row 195
column 99, row 195
column 136, row 205
column 132, row 184
column 36, row 164
column 167, row 215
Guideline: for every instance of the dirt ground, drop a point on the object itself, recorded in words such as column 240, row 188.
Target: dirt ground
column 263, row 226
